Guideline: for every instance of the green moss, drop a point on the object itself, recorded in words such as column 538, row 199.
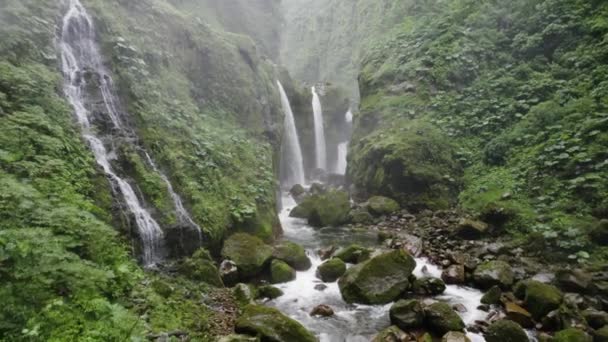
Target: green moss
column 379, row 205
column 271, row 324
column 331, row 270
column 325, row 209
column 201, row 267
column 354, row 254
column 293, row 254
column 572, row 335
column 249, row 253
column 441, row 318
column 540, row 298
column 505, row 331
column 281, row 272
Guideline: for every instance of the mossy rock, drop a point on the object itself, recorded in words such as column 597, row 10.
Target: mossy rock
column 331, row 270
column 293, row 254
column 379, row 280
column 492, row 296
column 380, row 205
column 392, row 333
column 601, row 335
column 243, row 294
column 303, row 210
column 249, row 253
column 354, row 254
column 281, row 272
column 429, row 286
column 455, row 336
column 297, row 190
column 200, row 267
column 440, row 318
column 360, row 216
column 505, row 331
column 541, row 298
column 271, row 325
column 268, row 291
column 407, row 314
column 326, row 209
column 494, row 273
column 572, row 335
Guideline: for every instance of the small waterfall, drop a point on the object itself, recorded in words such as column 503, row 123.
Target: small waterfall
column 341, row 163
column 320, row 146
column 79, row 56
column 292, row 153
column 182, row 214
column 349, row 117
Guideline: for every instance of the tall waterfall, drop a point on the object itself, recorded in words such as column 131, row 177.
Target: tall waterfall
column 320, row 146
column 343, row 147
column 292, row 153
column 80, row 55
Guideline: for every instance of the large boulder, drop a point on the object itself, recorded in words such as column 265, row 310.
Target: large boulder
column 379, row 205
column 440, row 318
column 201, row 267
column 353, row 254
column 249, row 253
column 325, row 209
column 505, row 331
column 271, row 325
column 572, row 335
column 492, row 296
column 407, row 314
column 268, row 292
column 293, row 254
column 455, row 274
column 428, row 286
column 281, row 272
column 541, row 298
column 519, row 315
column 379, row 280
column 331, row 270
column 494, row 273
column 574, row 280
column 470, row 229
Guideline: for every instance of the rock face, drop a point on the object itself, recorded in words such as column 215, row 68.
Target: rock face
column 407, row 314
column 470, row 229
column 293, row 254
column 379, row 280
column 249, row 253
column 441, row 318
column 505, row 331
column 281, row 272
column 494, row 273
column 379, row 205
column 540, row 298
column 331, row 270
column 428, row 286
column 271, row 325
column 354, row 254
column 324, row 209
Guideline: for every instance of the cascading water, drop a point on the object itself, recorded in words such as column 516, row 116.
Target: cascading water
column 342, row 163
column 320, row 146
column 292, row 160
column 80, row 55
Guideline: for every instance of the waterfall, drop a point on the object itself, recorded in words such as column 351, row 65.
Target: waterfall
column 349, row 117
column 292, row 153
column 320, row 146
column 342, row 155
column 80, row 55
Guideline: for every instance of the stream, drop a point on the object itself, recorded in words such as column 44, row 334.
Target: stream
column 351, row 322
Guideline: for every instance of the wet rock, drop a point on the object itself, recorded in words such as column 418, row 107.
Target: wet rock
column 540, row 299
column 471, row 230
column 322, row 311
column 320, row 287
column 411, row 243
column 201, row 267
column 572, row 335
column 297, row 190
column 407, row 314
column 379, row 280
column 281, row 272
column 428, row 286
column 574, row 280
column 494, row 273
column 249, row 253
column 492, row 296
column 459, row 308
column 454, row 274
column 327, row 252
column 243, row 294
column 392, row 334
column 229, row 272
column 455, row 336
column 440, row 318
column 595, row 318
column 326, row 209
column 353, row 254
column 379, row 205
column 331, row 270
column 360, row 216
column 519, row 315
column 505, row 331
column 269, row 292
column 271, row 325
column 293, row 254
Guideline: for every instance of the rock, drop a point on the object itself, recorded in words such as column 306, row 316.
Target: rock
column 236, row 338
column 454, row 274
column 201, row 267
column 229, row 272
column 162, row 287
column 601, row 335
column 331, row 270
column 459, row 308
column 281, row 272
column 322, row 310
column 271, row 325
column 297, row 190
column 249, row 253
column 379, row 205
column 429, row 286
column 354, row 254
column 326, row 209
column 317, row 189
column 391, row 334
column 360, row 216
column 492, row 296
column 326, row 253
column 379, row 280
column 540, row 298
column 411, row 243
column 268, row 291
column 471, row 230
column 243, row 294
column 572, row 335
column 293, row 254
column 574, row 280
column 494, row 273
column 505, row 331
column 455, row 336
column 320, row 287
column 599, row 234
column 595, row 318
column 440, row 318
column 519, row 315
column 407, row 314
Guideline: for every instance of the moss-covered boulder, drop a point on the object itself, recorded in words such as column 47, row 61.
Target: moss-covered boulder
column 492, row 296
column 440, row 318
column 269, row 292
column 297, row 190
column 390, row 334
column 572, row 335
column 380, row 205
column 505, row 331
column 429, row 286
column 281, row 272
column 360, row 216
column 455, row 336
column 331, row 270
column 201, row 267
column 354, row 254
column 249, row 253
column 470, row 229
column 324, row 209
column 494, row 273
column 271, row 325
column 407, row 314
column 379, row 280
column 243, row 294
column 541, row 298
column 293, row 254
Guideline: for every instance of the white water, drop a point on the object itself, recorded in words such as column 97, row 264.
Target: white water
column 292, row 153
column 320, row 146
column 351, row 323
column 342, row 158
column 79, row 54
column 349, row 116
